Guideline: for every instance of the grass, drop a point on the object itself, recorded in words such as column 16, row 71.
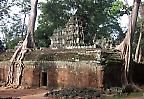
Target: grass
column 124, row 96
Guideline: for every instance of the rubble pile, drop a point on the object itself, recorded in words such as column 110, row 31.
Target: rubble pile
column 74, row 93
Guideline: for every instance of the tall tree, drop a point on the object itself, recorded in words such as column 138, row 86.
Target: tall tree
column 126, row 46
column 100, row 20
column 17, row 58
column 12, row 28
column 11, row 24
column 138, row 53
column 25, row 10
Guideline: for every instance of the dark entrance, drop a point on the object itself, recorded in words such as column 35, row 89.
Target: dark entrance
column 44, row 79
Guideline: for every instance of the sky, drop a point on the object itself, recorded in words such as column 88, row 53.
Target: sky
column 123, row 20
column 14, row 10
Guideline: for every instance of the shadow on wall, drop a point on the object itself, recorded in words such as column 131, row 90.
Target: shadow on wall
column 48, row 75
column 113, row 71
column 112, row 74
column 52, row 75
column 138, row 73
column 44, row 75
column 35, row 77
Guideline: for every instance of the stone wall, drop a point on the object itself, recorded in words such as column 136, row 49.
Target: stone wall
column 73, row 71
column 58, row 73
column 3, row 71
column 64, row 73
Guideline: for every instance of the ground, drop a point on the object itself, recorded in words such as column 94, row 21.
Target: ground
column 23, row 93
column 37, row 93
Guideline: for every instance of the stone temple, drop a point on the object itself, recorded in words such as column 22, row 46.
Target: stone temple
column 71, row 36
column 68, row 62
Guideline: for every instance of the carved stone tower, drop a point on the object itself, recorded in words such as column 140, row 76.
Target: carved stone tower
column 72, row 35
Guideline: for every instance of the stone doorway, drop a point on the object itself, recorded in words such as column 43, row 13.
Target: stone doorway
column 44, row 79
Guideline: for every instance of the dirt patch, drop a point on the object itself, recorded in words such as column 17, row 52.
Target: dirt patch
column 16, row 93
column 39, row 93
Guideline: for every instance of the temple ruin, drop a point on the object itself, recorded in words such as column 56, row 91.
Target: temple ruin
column 68, row 62
column 71, row 36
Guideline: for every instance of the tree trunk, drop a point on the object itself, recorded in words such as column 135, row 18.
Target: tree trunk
column 32, row 19
column 22, row 35
column 17, row 66
column 125, row 46
column 138, row 49
column 138, row 53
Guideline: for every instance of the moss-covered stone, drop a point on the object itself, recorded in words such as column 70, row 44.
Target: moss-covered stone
column 52, row 55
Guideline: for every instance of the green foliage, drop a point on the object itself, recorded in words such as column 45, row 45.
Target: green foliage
column 11, row 24
column 65, row 57
column 54, row 15
column 134, row 95
column 101, row 17
column 4, row 9
column 119, row 9
column 10, row 44
column 12, row 31
column 49, row 55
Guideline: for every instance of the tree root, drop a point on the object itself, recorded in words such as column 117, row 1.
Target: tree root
column 16, row 67
column 137, row 88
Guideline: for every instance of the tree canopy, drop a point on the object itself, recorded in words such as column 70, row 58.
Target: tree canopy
column 101, row 18
column 12, row 25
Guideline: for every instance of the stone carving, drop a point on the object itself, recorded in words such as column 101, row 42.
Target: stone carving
column 71, row 36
